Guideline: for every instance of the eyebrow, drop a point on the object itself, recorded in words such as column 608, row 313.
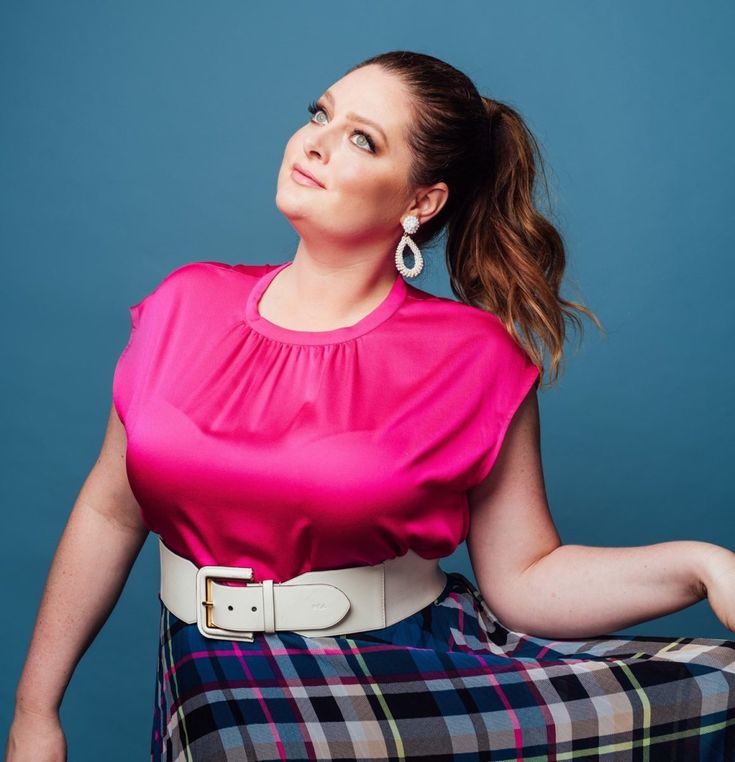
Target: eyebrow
column 328, row 95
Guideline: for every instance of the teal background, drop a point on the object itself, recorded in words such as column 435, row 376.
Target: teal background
column 138, row 136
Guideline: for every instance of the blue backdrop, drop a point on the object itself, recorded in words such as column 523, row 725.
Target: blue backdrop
column 135, row 137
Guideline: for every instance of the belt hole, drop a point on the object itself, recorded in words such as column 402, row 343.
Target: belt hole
column 229, row 608
column 253, row 608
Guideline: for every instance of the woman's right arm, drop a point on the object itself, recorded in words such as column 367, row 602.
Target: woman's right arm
column 101, row 540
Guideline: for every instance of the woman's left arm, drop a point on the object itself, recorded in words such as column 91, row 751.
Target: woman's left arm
column 535, row 584
column 578, row 591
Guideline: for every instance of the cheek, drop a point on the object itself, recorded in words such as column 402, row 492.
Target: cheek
column 366, row 181
column 372, row 200
column 385, row 195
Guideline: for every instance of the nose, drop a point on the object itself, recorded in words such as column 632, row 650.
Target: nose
column 315, row 142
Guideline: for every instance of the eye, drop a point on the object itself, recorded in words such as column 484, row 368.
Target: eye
column 313, row 108
column 316, row 106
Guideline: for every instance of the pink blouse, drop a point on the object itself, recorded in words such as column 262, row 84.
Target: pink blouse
column 289, row 451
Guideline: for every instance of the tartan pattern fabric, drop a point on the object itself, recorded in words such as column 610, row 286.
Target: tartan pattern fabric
column 449, row 682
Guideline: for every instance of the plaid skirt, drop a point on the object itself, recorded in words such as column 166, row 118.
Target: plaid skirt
column 449, row 682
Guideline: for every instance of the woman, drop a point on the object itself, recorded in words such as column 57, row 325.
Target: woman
column 328, row 431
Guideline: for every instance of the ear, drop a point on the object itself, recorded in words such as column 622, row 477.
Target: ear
column 429, row 201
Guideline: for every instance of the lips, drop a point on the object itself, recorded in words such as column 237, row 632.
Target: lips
column 299, row 168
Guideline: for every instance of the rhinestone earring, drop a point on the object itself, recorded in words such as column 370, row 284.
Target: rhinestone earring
column 410, row 225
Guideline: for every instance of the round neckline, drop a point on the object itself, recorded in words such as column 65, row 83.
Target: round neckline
column 377, row 315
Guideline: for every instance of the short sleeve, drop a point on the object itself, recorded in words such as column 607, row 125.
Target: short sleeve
column 510, row 375
column 124, row 373
column 148, row 323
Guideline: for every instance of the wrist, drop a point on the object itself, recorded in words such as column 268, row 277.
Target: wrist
column 25, row 708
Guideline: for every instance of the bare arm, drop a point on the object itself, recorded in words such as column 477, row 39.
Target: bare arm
column 98, row 547
column 581, row 591
column 537, row 585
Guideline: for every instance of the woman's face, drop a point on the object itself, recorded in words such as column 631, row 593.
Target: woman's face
column 364, row 168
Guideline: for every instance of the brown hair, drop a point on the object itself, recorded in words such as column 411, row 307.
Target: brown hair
column 502, row 254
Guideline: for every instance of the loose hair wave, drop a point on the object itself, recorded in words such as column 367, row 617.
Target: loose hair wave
column 501, row 253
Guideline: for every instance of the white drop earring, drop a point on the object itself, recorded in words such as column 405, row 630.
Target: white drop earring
column 410, row 225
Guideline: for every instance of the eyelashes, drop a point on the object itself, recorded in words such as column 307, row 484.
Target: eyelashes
column 315, row 106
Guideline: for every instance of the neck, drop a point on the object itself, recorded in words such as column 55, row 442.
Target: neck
column 335, row 289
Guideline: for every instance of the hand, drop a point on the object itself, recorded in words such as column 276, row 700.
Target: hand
column 35, row 737
column 718, row 579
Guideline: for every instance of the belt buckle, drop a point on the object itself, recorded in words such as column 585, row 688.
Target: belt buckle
column 205, row 604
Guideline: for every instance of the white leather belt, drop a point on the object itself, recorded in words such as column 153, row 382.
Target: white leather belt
column 313, row 604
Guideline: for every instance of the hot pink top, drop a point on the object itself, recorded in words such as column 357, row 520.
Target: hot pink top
column 252, row 444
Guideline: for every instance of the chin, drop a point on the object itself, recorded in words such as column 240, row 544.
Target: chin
column 290, row 207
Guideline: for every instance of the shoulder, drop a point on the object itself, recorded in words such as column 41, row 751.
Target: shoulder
column 478, row 330
column 190, row 274
column 200, row 278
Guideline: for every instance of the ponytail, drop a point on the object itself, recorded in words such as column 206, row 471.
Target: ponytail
column 502, row 254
